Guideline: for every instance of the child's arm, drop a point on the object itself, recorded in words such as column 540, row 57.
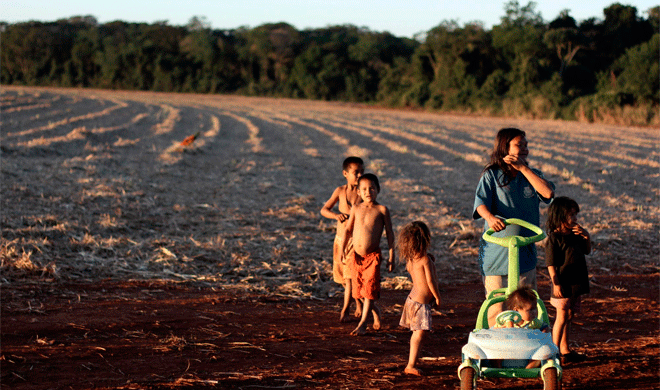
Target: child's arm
column 432, row 279
column 556, row 288
column 343, row 236
column 390, row 240
column 326, row 210
column 582, row 232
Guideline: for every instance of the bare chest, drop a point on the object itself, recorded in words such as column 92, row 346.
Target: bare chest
column 369, row 218
column 347, row 199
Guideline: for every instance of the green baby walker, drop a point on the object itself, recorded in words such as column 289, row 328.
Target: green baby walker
column 513, row 346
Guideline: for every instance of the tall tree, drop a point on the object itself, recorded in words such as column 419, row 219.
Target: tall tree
column 564, row 36
column 269, row 52
column 519, row 38
column 85, row 46
column 622, row 29
column 637, row 72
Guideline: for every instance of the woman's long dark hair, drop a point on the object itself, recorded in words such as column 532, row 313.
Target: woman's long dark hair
column 501, row 150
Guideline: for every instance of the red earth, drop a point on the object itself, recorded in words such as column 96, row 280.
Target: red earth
column 129, row 262
column 153, row 334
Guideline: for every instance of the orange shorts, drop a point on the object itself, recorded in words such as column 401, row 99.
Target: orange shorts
column 366, row 275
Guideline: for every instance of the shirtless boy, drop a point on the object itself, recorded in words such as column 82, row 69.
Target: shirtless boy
column 366, row 224
column 344, row 197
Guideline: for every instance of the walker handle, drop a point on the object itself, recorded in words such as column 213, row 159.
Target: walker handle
column 519, row 240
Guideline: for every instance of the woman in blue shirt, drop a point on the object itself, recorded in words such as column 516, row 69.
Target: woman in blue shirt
column 509, row 188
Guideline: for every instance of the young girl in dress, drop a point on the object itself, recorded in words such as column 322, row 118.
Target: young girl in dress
column 413, row 243
column 568, row 243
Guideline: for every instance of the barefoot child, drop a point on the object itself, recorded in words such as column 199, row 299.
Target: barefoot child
column 413, row 243
column 568, row 243
column 345, row 196
column 366, row 224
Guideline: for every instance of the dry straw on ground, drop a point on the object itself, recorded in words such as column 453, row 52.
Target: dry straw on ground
column 96, row 185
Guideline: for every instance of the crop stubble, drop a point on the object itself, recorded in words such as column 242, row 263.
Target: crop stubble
column 95, row 186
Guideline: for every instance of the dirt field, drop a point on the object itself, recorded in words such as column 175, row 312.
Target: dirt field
column 129, row 261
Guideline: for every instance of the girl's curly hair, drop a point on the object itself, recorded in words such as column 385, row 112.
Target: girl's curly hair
column 414, row 240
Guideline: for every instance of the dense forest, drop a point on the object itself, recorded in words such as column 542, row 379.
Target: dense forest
column 601, row 70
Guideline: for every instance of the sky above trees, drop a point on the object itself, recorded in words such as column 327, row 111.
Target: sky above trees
column 400, row 18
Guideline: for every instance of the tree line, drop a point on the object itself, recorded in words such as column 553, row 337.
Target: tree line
column 595, row 69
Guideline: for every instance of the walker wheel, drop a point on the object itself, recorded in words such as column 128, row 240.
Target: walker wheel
column 468, row 380
column 551, row 379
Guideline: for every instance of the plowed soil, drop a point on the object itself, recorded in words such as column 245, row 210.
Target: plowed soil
column 132, row 262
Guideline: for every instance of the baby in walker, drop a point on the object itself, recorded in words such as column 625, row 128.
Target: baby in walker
column 522, row 313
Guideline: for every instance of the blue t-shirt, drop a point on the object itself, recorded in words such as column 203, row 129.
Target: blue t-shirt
column 517, row 199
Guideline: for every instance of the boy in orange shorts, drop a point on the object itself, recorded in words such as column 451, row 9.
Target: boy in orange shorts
column 366, row 224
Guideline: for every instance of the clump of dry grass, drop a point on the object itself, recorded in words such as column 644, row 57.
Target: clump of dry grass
column 171, row 343
column 16, row 260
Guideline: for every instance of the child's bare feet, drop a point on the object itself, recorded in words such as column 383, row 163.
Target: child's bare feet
column 342, row 316
column 359, row 331
column 358, row 308
column 413, row 371
column 376, row 313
